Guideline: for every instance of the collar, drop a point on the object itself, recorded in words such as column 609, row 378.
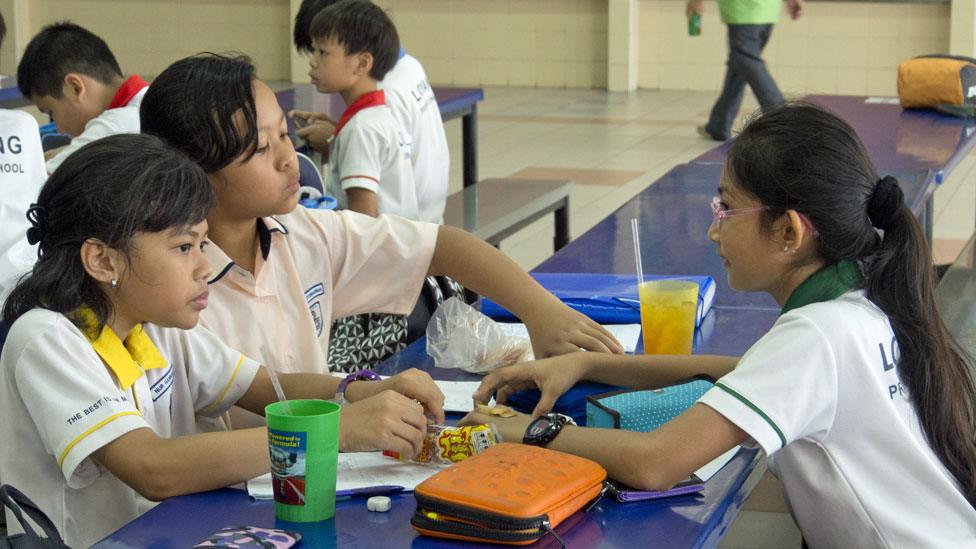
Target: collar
column 222, row 263
column 401, row 54
column 828, row 283
column 374, row 98
column 133, row 85
column 128, row 360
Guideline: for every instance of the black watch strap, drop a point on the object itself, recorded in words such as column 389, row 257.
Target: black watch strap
column 544, row 429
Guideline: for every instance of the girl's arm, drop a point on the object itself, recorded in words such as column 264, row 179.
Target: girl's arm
column 646, row 461
column 363, row 201
column 159, row 468
column 554, row 376
column 554, row 327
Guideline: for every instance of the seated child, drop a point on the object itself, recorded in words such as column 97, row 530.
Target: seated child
column 282, row 272
column 70, row 74
column 104, row 372
column 411, row 98
column 858, row 394
column 370, row 172
column 21, row 173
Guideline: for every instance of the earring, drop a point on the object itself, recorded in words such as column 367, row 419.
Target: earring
column 114, row 283
column 786, row 248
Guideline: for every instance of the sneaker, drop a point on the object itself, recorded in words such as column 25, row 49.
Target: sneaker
column 704, row 133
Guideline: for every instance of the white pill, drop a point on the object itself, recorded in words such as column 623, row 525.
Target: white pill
column 380, row 504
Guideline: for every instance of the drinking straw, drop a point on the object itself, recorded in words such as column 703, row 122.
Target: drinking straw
column 637, row 248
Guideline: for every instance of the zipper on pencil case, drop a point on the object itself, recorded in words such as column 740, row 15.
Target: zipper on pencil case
column 429, row 520
column 476, row 516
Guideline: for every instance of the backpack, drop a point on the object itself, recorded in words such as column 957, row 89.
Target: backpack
column 21, row 505
column 946, row 83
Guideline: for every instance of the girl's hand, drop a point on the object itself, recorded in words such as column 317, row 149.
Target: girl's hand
column 552, row 376
column 511, row 429
column 413, row 383
column 385, row 421
column 557, row 330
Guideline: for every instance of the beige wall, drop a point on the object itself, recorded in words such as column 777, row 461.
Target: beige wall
column 836, row 47
column 147, row 35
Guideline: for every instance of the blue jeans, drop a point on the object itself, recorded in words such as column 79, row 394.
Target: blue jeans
column 744, row 66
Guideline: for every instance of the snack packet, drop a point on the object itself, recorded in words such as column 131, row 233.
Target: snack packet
column 445, row 444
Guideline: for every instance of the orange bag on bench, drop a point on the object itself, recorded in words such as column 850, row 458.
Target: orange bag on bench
column 511, row 493
column 942, row 82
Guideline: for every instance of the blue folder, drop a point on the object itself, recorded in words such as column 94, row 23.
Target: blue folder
column 606, row 298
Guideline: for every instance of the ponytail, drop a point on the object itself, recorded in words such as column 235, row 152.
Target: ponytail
column 800, row 157
column 900, row 281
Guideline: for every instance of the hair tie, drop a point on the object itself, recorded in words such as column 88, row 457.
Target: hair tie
column 37, row 215
column 884, row 202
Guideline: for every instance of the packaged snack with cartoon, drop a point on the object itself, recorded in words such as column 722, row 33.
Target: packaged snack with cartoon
column 445, row 444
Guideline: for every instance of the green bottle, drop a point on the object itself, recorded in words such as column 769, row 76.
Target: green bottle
column 694, row 25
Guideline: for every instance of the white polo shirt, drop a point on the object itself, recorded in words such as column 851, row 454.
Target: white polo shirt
column 821, row 395
column 112, row 121
column 63, row 397
column 22, row 174
column 411, row 98
column 313, row 266
column 371, row 151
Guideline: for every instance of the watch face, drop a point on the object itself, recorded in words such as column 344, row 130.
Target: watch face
column 540, row 426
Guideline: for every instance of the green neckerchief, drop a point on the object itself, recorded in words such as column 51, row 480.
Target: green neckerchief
column 828, row 283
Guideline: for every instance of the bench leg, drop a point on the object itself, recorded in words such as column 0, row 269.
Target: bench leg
column 562, row 226
column 469, row 146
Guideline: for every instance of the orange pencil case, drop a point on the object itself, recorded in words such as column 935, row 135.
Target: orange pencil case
column 512, row 494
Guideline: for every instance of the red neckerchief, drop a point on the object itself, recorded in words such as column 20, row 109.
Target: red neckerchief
column 133, row 85
column 365, row 101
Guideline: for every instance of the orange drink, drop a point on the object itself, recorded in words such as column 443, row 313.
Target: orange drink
column 668, row 309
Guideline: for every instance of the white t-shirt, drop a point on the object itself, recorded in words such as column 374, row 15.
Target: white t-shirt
column 59, row 402
column 821, row 395
column 372, row 152
column 22, row 174
column 110, row 122
column 411, row 98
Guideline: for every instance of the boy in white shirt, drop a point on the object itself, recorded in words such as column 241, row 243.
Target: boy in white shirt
column 22, row 172
column 70, row 74
column 411, row 98
column 369, row 167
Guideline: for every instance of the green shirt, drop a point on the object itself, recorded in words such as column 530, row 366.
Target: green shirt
column 749, row 12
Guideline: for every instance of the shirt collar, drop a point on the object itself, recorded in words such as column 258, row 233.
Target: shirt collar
column 374, row 98
column 222, row 263
column 127, row 359
column 828, row 283
column 401, row 54
column 133, row 85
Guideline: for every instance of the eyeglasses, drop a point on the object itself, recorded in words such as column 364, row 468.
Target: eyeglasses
column 718, row 214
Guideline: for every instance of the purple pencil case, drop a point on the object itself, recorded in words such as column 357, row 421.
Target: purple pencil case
column 626, row 494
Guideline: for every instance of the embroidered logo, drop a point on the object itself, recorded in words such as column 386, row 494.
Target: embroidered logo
column 162, row 385
column 312, row 296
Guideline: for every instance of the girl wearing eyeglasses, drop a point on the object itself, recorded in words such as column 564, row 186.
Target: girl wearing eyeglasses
column 858, row 394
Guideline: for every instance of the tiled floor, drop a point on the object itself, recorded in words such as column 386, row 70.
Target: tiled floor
column 614, row 145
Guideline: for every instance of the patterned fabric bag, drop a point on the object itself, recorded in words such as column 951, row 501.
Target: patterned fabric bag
column 363, row 341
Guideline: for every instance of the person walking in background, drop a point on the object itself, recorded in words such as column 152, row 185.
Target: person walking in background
column 750, row 25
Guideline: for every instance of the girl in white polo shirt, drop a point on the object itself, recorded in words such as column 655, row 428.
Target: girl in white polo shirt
column 103, row 374
column 858, row 394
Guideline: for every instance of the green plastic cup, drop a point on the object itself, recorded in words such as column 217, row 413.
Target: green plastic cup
column 303, row 440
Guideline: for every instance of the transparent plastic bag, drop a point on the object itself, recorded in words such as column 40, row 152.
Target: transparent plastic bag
column 459, row 336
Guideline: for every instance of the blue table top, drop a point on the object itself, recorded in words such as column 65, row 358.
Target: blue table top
column 896, row 138
column 674, row 216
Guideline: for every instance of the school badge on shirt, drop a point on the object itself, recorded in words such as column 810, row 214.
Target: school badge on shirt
column 312, row 296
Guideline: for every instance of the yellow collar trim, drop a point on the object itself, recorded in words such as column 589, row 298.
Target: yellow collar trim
column 128, row 360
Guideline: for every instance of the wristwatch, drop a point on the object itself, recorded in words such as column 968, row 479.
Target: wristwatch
column 362, row 375
column 545, row 428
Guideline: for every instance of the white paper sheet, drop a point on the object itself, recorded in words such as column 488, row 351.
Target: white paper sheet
column 714, row 466
column 626, row 334
column 361, row 470
column 457, row 395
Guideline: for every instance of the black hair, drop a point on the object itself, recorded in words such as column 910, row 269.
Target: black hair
column 360, row 26
column 303, row 22
column 109, row 190
column 800, row 157
column 197, row 105
column 59, row 49
column 3, row 29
